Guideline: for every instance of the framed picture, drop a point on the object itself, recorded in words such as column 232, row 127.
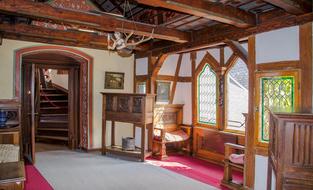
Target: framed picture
column 163, row 91
column 114, row 80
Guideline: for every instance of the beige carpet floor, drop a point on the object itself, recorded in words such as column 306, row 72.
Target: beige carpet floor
column 69, row 170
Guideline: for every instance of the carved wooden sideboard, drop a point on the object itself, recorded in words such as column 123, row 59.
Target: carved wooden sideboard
column 291, row 152
column 129, row 108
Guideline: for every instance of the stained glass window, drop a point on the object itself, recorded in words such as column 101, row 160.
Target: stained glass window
column 207, row 96
column 237, row 95
column 277, row 95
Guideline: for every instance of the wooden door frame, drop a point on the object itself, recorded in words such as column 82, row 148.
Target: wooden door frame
column 86, row 75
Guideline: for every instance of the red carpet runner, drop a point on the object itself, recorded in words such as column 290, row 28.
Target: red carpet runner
column 34, row 180
column 199, row 170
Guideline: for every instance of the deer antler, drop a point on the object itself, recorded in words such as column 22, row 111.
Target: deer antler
column 142, row 40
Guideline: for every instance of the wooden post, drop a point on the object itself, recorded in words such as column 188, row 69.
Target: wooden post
column 103, row 125
column 113, row 134
column 306, row 66
column 143, row 141
column 250, row 130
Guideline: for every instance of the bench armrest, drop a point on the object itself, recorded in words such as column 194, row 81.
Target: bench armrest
column 187, row 129
column 230, row 149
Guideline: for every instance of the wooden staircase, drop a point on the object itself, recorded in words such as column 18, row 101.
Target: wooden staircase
column 53, row 117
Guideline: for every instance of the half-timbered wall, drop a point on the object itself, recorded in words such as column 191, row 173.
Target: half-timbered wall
column 272, row 49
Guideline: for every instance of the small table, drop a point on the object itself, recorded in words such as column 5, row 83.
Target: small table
column 12, row 176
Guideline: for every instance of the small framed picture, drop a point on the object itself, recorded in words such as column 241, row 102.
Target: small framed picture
column 114, row 80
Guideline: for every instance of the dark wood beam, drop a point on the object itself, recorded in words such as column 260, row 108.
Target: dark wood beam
column 217, row 34
column 214, row 11
column 26, row 32
column 292, row 6
column 238, row 50
column 102, row 22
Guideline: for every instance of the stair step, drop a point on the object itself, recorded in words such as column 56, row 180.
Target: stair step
column 52, row 121
column 53, row 94
column 54, row 101
column 53, row 115
column 54, row 108
column 48, row 89
column 52, row 137
column 51, row 129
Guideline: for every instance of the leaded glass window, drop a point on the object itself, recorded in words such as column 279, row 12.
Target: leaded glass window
column 207, row 96
column 237, row 95
column 277, row 95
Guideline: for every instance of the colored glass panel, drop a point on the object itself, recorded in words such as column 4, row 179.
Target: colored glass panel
column 207, row 96
column 278, row 96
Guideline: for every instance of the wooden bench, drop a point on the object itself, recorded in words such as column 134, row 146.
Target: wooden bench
column 168, row 129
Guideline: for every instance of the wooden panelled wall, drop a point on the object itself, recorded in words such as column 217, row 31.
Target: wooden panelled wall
column 304, row 65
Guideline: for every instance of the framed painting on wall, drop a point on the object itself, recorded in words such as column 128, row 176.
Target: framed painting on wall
column 114, row 80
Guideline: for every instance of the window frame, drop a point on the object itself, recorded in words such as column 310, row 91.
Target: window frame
column 258, row 76
column 229, row 67
column 199, row 70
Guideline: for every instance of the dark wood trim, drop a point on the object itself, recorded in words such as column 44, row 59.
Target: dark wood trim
column 279, row 65
column 306, row 66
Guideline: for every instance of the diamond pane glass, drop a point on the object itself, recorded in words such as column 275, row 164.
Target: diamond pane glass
column 278, row 96
column 237, row 95
column 207, row 96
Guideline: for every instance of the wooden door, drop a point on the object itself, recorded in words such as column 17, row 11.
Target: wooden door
column 73, row 109
column 275, row 92
column 30, row 97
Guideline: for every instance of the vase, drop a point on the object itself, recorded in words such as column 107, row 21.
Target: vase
column 3, row 118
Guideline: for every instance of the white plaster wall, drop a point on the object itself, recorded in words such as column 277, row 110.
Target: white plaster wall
column 278, row 45
column 103, row 61
column 61, row 80
column 142, row 66
column 169, row 65
column 260, row 178
column 214, row 52
column 185, row 68
column 183, row 96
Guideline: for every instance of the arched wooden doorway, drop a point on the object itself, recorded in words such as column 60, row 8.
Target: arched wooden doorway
column 85, row 87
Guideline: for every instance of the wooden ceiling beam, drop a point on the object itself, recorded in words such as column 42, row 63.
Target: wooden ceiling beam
column 291, row 6
column 102, row 22
column 44, row 35
column 214, row 11
column 217, row 34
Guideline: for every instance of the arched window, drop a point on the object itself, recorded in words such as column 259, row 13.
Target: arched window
column 206, row 93
column 237, row 95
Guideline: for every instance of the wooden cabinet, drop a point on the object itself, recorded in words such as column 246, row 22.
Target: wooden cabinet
column 291, row 152
column 129, row 108
column 10, row 133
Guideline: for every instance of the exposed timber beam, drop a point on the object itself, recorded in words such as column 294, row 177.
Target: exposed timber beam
column 214, row 11
column 102, row 22
column 238, row 50
column 292, row 6
column 214, row 35
column 39, row 34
